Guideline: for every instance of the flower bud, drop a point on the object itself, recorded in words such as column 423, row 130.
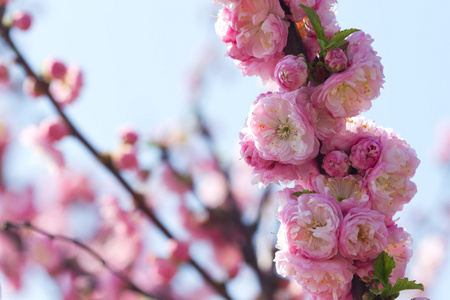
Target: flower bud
column 128, row 135
column 53, row 69
column 336, row 60
column 125, row 158
column 55, row 129
column 179, row 250
column 21, row 20
column 291, row 72
column 336, row 163
column 365, row 154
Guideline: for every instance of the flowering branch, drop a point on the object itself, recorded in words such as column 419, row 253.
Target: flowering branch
column 138, row 198
column 132, row 286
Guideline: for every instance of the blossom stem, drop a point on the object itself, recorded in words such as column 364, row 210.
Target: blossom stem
column 137, row 197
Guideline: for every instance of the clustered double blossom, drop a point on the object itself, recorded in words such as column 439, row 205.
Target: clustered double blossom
column 350, row 177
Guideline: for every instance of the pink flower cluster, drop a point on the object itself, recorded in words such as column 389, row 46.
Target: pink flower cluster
column 350, row 176
column 64, row 82
column 364, row 178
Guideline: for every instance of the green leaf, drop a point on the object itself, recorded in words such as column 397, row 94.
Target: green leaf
column 375, row 291
column 342, row 35
column 341, row 44
column 403, row 284
column 298, row 194
column 383, row 266
column 315, row 22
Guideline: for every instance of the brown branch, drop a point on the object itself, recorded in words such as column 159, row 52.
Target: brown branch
column 294, row 44
column 138, row 198
column 131, row 285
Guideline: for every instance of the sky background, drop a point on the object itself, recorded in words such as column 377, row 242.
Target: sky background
column 137, row 57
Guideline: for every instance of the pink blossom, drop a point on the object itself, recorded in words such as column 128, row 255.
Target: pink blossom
column 348, row 191
column 128, row 134
column 21, row 19
column 74, row 187
column 364, row 269
column 161, row 270
column 17, row 206
column 54, row 129
column 268, row 171
column 211, row 187
column 336, row 163
column 38, row 137
column 53, row 68
column 325, row 125
column 261, row 32
column 355, row 129
column 389, row 181
column 348, row 93
column 365, row 154
column 259, row 67
column 399, row 247
column 291, row 72
column 281, row 130
column 363, row 234
column 13, row 260
column 327, row 279
column 174, row 182
column 67, row 89
column 178, row 250
column 125, row 157
column 309, row 225
column 122, row 221
column 336, row 60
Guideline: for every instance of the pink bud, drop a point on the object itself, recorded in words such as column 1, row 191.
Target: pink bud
column 54, row 69
column 128, row 135
column 336, row 163
column 179, row 250
column 336, row 60
column 55, row 129
column 365, row 153
column 161, row 270
column 125, row 158
column 291, row 72
column 21, row 20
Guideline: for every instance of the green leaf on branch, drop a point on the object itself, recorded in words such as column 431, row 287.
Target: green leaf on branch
column 341, row 35
column 383, row 266
column 316, row 23
column 298, row 194
column 375, row 291
column 402, row 284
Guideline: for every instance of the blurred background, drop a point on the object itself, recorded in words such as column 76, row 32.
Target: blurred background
column 145, row 61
